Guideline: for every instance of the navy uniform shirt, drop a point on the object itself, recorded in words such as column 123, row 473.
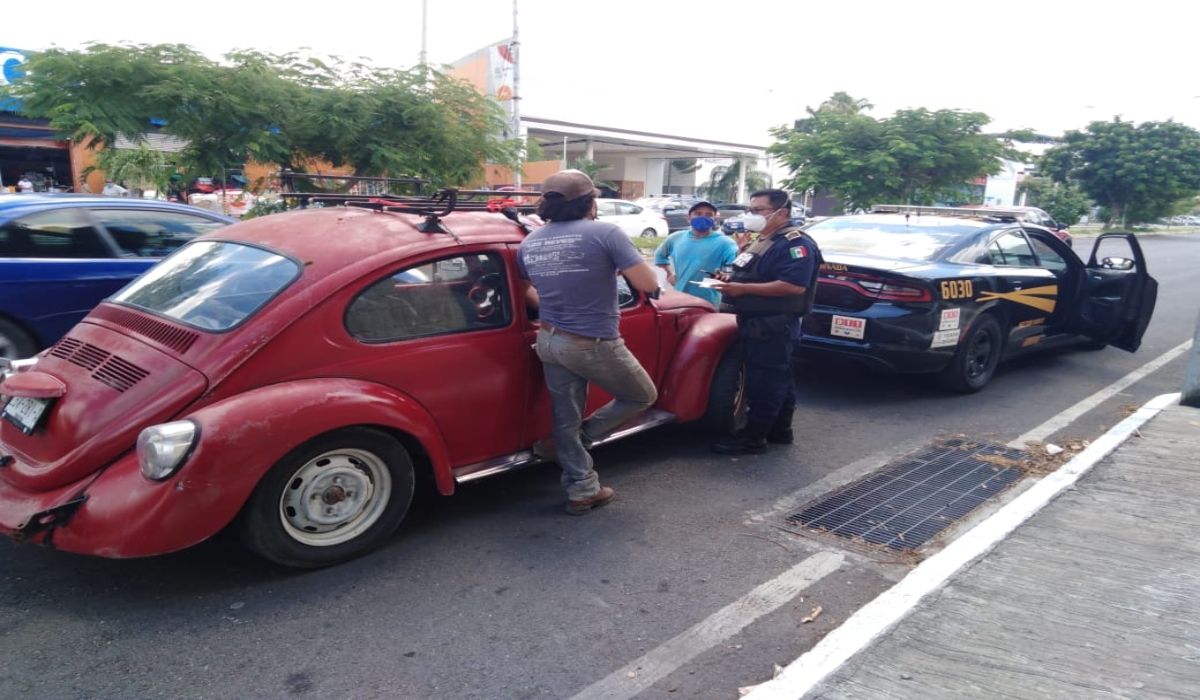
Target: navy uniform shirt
column 792, row 262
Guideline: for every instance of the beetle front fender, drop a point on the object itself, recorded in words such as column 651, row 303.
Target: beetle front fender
column 689, row 374
column 240, row 438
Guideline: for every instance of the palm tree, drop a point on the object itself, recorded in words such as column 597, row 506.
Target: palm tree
column 683, row 166
column 842, row 102
column 838, row 103
column 591, row 168
column 723, row 181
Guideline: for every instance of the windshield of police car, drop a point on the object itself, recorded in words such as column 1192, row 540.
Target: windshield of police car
column 211, row 285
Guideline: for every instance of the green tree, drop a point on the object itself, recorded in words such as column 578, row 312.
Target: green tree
column 591, row 168
column 1066, row 203
column 1137, row 173
column 288, row 109
column 141, row 168
column 838, row 103
column 722, row 185
column 915, row 157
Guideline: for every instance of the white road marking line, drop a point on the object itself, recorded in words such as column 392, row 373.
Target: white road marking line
column 643, row 672
column 891, row 606
column 1068, row 416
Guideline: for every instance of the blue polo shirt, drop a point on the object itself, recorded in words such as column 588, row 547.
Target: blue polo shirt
column 691, row 256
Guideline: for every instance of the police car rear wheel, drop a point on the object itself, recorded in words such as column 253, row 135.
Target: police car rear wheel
column 975, row 361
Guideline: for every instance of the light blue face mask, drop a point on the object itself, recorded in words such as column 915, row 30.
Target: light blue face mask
column 702, row 224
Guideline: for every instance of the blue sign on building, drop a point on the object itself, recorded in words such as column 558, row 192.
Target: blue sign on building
column 11, row 68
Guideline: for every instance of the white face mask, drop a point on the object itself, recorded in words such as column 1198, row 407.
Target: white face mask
column 754, row 222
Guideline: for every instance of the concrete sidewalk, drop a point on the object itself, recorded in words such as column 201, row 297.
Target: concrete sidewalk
column 1094, row 593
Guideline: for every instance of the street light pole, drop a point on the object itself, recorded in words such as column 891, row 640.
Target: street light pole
column 516, row 98
column 424, row 27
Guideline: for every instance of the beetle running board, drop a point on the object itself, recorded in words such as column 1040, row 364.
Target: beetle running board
column 651, row 418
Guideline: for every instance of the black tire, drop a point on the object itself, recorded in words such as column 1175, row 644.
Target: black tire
column 975, row 361
column 726, row 411
column 649, row 233
column 15, row 343
column 368, row 473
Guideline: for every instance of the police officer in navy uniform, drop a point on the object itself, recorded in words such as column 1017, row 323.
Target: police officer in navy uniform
column 772, row 284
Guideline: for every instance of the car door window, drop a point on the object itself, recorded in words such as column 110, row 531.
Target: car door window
column 61, row 233
column 627, row 208
column 1047, row 256
column 605, row 209
column 149, row 233
column 449, row 295
column 1012, row 249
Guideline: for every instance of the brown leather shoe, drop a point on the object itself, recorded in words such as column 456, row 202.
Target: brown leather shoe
column 602, row 498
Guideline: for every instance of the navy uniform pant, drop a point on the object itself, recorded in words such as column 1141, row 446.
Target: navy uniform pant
column 766, row 344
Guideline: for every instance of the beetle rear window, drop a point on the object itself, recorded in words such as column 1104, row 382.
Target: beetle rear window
column 212, row 285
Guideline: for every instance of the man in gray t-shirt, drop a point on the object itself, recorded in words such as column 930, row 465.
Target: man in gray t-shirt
column 572, row 263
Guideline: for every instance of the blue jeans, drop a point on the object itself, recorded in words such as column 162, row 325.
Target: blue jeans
column 569, row 363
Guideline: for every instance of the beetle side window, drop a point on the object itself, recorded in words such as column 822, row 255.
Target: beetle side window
column 449, row 295
column 61, row 233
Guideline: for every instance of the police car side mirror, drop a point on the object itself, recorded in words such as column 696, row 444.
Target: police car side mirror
column 1116, row 264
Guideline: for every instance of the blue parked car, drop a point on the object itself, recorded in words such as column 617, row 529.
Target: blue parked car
column 61, row 254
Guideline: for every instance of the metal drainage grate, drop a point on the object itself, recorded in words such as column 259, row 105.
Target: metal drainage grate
column 910, row 502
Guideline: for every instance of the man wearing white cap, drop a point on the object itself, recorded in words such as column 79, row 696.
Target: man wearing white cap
column 572, row 263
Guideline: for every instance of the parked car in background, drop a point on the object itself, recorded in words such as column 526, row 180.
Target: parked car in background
column 725, row 211
column 634, row 220
column 673, row 208
column 1029, row 215
column 61, row 254
column 954, row 291
column 295, row 385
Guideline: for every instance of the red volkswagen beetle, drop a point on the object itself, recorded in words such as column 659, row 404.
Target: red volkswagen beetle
column 291, row 375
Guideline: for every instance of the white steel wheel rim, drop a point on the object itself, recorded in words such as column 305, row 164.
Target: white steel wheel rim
column 335, row 497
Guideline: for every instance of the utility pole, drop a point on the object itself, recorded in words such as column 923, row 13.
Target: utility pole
column 1191, row 378
column 516, row 98
column 424, row 27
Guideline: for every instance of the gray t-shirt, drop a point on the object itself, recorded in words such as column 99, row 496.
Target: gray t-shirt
column 573, row 265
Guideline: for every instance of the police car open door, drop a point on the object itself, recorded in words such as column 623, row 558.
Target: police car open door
column 1116, row 298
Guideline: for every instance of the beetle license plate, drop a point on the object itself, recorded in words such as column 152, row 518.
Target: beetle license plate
column 25, row 413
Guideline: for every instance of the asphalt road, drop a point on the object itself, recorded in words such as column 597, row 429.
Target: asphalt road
column 685, row 587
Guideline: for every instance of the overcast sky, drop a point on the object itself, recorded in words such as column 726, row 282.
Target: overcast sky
column 725, row 74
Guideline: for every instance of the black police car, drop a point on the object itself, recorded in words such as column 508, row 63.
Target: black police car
column 954, row 291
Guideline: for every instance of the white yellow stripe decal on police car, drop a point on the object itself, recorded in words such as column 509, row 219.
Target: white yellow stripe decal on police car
column 1029, row 297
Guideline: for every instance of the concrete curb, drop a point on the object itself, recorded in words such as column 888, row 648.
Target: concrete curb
column 894, row 604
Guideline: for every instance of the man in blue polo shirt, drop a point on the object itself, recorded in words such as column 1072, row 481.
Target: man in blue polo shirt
column 687, row 256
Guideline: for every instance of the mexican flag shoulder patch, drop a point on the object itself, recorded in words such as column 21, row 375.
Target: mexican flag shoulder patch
column 799, row 252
